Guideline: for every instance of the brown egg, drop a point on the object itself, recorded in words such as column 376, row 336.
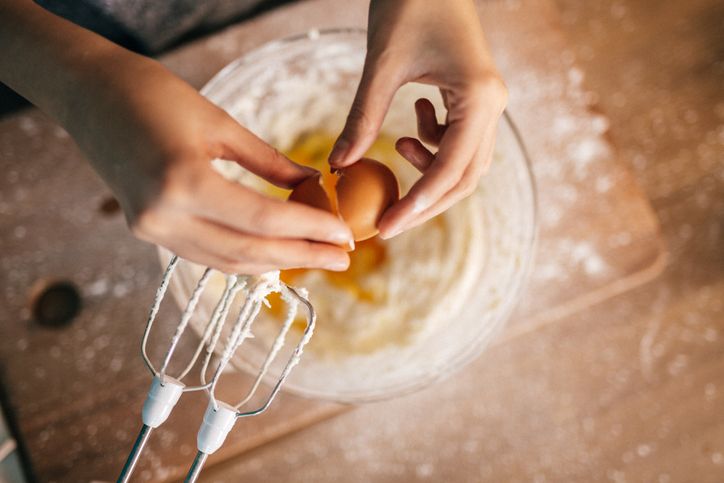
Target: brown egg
column 364, row 191
column 359, row 195
column 311, row 192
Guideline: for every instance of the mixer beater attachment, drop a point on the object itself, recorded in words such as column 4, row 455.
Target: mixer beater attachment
column 219, row 417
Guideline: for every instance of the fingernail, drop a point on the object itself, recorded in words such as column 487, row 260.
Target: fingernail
column 338, row 266
column 391, row 233
column 338, row 151
column 309, row 170
column 421, row 204
column 342, row 238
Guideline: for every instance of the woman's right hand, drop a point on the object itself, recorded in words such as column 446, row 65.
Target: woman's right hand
column 151, row 137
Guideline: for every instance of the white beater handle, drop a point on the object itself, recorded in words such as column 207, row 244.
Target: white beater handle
column 216, row 426
column 162, row 397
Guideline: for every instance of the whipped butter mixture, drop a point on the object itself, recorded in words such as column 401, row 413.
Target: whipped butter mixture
column 409, row 309
column 395, row 290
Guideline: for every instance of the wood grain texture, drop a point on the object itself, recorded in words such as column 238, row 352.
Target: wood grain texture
column 76, row 393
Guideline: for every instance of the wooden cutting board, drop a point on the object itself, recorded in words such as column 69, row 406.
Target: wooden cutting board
column 74, row 393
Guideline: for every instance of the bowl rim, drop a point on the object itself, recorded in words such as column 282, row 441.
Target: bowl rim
column 483, row 339
column 312, row 34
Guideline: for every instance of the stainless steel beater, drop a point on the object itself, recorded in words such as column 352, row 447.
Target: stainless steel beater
column 220, row 417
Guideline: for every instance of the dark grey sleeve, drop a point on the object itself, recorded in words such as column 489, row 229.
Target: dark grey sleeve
column 150, row 26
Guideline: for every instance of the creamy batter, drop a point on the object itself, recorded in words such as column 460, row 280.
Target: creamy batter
column 395, row 290
column 409, row 309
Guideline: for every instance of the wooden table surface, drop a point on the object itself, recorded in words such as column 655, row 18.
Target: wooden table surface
column 627, row 390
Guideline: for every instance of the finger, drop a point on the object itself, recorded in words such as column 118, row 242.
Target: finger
column 415, row 152
column 187, row 238
column 376, row 89
column 242, row 146
column 467, row 186
column 458, row 146
column 428, row 129
column 243, row 209
column 202, row 256
column 199, row 253
column 244, row 251
column 189, row 247
column 445, row 102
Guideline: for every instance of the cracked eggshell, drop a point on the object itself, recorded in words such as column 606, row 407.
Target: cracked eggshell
column 311, row 192
column 364, row 191
column 361, row 194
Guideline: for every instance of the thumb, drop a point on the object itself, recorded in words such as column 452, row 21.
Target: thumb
column 376, row 89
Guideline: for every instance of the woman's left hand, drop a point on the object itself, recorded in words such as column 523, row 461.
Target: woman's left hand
column 438, row 43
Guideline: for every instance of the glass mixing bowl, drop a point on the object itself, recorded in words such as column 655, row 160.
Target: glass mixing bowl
column 305, row 84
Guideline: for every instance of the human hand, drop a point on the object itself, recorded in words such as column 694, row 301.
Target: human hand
column 438, row 43
column 152, row 137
